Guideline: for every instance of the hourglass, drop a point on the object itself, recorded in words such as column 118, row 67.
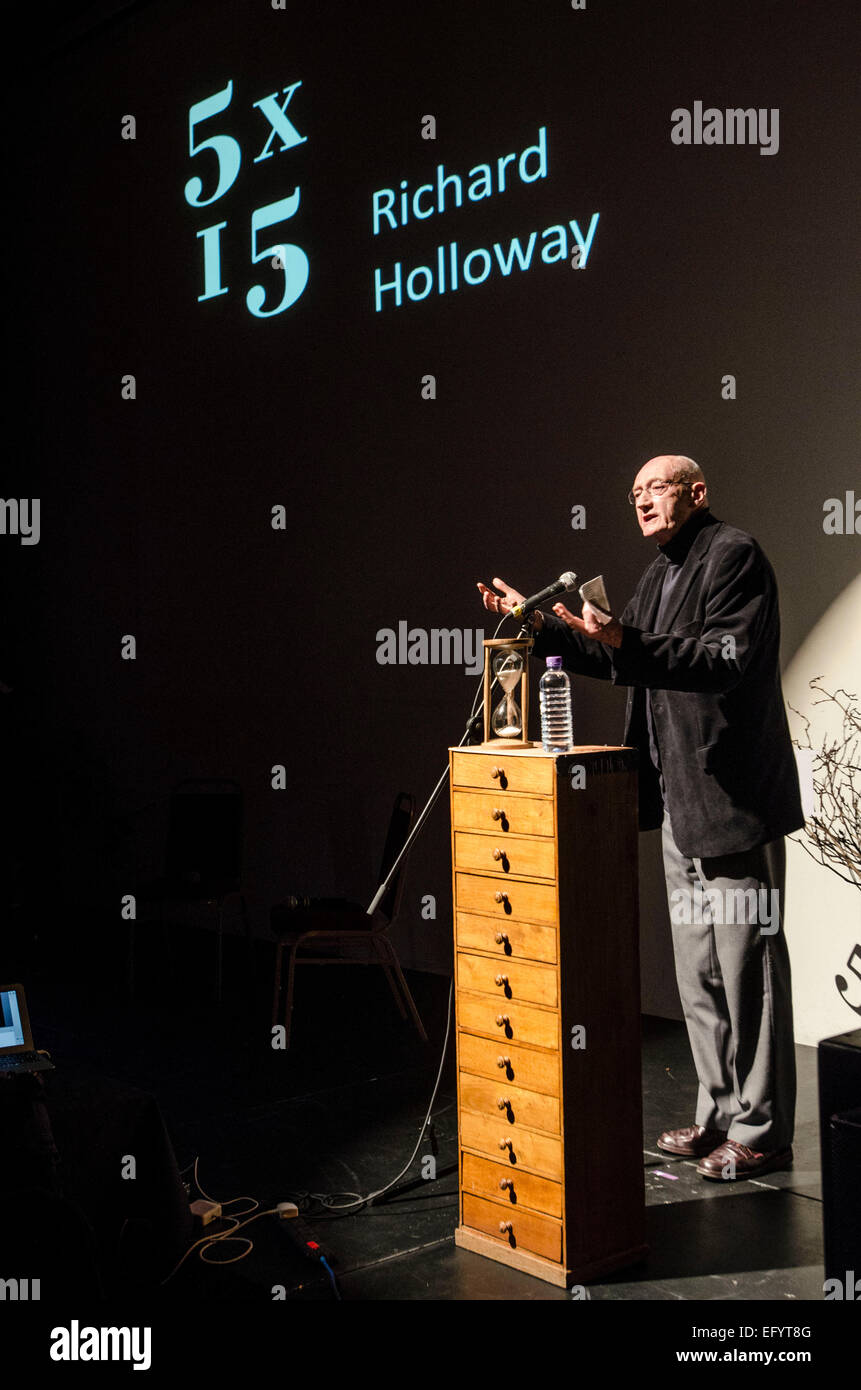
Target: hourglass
column 507, row 662
column 507, row 721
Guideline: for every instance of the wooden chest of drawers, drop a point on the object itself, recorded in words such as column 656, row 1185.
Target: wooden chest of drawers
column 544, row 855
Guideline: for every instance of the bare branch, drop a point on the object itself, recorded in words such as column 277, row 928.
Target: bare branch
column 835, row 830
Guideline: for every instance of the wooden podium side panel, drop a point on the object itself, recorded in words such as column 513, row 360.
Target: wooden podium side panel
column 601, row 1028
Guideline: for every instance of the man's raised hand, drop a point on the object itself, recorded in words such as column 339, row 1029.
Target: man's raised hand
column 500, row 603
column 504, row 601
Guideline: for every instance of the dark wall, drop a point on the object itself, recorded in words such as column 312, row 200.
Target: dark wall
column 258, row 647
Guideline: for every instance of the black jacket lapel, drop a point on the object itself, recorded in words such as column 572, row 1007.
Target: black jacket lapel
column 690, row 569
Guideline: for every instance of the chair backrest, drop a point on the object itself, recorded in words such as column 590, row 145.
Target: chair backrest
column 204, row 835
column 401, row 820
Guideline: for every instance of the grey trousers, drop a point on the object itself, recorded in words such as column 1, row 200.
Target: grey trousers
column 732, row 969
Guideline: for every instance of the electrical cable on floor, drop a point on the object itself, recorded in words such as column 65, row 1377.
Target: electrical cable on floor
column 229, row 1235
column 328, row 1269
column 207, row 1241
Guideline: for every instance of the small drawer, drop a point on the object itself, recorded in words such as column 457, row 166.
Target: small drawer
column 499, row 1018
column 508, row 940
column 519, row 1230
column 509, row 980
column 511, row 1104
column 510, row 771
column 502, row 1061
column 504, row 815
column 511, row 1146
column 505, row 1184
column 505, row 855
column 513, row 900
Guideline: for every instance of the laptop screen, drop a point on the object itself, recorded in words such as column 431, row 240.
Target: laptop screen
column 11, row 1026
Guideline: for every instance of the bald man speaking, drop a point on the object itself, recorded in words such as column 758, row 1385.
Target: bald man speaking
column 698, row 647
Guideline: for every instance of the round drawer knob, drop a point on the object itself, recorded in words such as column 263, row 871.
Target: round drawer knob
column 502, row 1020
column 497, row 772
column 505, row 1227
column 500, row 897
column 505, row 1144
column 498, row 813
column 501, row 980
column 503, row 1103
column 498, row 854
column 506, row 1183
column 503, row 1061
column 501, row 939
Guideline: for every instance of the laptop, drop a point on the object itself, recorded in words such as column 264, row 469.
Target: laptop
column 17, row 1053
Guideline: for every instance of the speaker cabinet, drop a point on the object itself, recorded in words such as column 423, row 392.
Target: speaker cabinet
column 840, row 1139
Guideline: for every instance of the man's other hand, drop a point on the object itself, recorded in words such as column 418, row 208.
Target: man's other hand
column 591, row 625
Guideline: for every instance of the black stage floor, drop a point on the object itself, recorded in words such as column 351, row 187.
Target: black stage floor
column 341, row 1111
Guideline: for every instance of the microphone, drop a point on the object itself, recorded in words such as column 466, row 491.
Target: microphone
column 562, row 585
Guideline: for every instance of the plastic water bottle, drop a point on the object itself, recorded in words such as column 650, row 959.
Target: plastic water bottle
column 557, row 725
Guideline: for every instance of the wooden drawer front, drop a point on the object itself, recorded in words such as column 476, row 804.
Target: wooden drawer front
column 515, row 1148
column 505, row 1184
column 513, row 773
column 514, row 855
column 523, row 939
column 529, row 984
column 523, row 1107
column 507, row 1022
column 521, row 815
column 536, row 1071
column 521, row 902
column 539, row 1234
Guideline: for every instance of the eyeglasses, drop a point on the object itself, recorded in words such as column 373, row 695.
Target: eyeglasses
column 655, row 489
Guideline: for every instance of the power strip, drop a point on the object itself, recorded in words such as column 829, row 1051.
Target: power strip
column 300, row 1235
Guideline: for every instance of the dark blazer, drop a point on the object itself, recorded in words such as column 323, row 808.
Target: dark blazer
column 726, row 754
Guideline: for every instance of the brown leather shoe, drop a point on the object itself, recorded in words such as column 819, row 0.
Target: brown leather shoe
column 741, row 1162
column 692, row 1141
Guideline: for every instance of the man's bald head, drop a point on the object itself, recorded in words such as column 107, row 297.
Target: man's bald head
column 681, row 468
column 661, row 516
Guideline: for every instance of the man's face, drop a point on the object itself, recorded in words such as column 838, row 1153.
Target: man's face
column 660, row 518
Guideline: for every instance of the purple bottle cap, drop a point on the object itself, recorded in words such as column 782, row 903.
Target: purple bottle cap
column 554, row 663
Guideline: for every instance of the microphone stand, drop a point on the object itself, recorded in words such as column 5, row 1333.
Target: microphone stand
column 472, row 725
column 468, row 736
